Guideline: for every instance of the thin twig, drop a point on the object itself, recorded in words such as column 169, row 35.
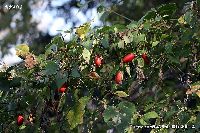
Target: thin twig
column 109, row 10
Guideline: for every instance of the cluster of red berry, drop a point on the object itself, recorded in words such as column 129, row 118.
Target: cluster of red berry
column 126, row 59
column 98, row 62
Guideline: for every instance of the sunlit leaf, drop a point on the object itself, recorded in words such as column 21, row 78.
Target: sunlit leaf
column 121, row 44
column 155, row 43
column 22, row 50
column 181, row 20
column 82, row 30
column 86, row 55
column 143, row 122
column 127, row 39
column 121, row 94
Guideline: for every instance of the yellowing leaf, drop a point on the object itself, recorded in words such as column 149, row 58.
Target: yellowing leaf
column 94, row 75
column 181, row 20
column 188, row 92
column 82, row 30
column 121, row 94
column 22, row 50
column 196, row 87
column 198, row 93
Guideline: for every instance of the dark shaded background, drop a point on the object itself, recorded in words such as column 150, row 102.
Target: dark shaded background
column 26, row 31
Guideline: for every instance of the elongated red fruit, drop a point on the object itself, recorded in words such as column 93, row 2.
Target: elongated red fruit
column 97, row 61
column 20, row 120
column 119, row 77
column 63, row 88
column 128, row 58
column 145, row 58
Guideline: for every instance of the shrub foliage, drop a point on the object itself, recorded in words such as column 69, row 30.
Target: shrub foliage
column 63, row 90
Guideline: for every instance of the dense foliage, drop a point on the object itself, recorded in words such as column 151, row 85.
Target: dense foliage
column 113, row 77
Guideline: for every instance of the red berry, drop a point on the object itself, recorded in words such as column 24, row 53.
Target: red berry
column 119, row 77
column 97, row 61
column 145, row 58
column 128, row 58
column 20, row 120
column 63, row 88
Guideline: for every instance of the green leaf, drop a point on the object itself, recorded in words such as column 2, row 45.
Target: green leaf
column 75, row 115
column 109, row 113
column 118, row 27
column 173, row 59
column 87, row 44
column 149, row 115
column 184, row 117
column 140, row 62
column 75, row 73
column 86, row 55
column 106, row 68
column 57, row 40
column 139, row 38
column 143, row 122
column 52, row 48
column 127, row 107
column 61, row 78
column 121, row 44
column 120, row 116
column 132, row 25
column 198, row 68
column 51, row 68
column 22, row 127
column 121, row 94
column 155, row 43
column 147, row 25
column 168, row 48
column 149, row 106
column 168, row 9
column 169, row 115
column 164, row 36
column 188, row 17
column 105, row 41
column 149, row 15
